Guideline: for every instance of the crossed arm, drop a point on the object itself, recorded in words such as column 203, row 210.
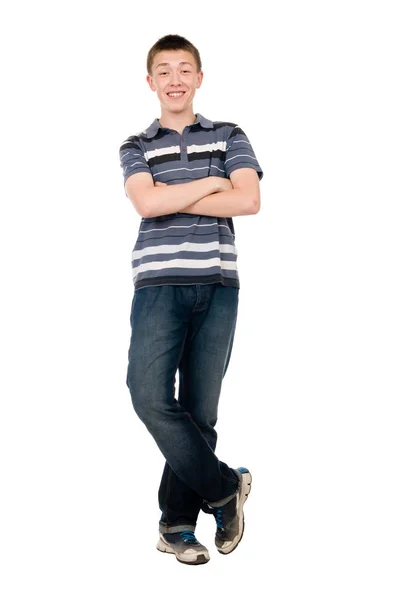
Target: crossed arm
column 210, row 196
column 240, row 196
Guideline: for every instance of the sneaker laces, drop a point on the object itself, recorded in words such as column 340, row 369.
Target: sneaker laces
column 189, row 537
column 216, row 512
column 218, row 515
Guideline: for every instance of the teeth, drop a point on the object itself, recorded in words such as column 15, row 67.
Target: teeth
column 176, row 95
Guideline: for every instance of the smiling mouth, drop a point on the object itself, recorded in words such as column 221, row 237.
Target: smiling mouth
column 175, row 94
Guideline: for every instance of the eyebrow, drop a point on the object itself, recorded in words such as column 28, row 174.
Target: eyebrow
column 168, row 64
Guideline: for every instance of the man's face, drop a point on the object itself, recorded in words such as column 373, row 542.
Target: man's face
column 174, row 71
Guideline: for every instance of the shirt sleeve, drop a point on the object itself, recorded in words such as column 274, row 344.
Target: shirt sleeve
column 132, row 159
column 240, row 154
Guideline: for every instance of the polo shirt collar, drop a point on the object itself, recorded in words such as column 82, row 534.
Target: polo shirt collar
column 155, row 126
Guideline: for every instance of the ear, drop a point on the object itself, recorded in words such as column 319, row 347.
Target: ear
column 200, row 79
column 149, row 79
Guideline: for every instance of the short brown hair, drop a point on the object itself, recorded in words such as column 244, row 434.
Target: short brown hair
column 172, row 42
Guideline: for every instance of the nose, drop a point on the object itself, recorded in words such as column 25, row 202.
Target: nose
column 175, row 78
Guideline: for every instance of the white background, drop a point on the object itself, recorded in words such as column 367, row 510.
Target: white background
column 310, row 402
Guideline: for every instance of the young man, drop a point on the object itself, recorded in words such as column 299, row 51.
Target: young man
column 187, row 177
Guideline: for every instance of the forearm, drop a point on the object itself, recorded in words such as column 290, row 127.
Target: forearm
column 232, row 203
column 168, row 199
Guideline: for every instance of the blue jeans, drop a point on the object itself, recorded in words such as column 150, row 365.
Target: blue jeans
column 189, row 328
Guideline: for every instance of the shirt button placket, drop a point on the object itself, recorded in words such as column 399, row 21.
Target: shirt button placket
column 184, row 154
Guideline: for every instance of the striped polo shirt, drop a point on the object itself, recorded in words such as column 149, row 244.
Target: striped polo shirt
column 181, row 248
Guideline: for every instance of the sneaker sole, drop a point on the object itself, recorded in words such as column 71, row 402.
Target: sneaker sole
column 194, row 559
column 245, row 491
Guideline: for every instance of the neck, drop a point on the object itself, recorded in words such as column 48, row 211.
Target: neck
column 177, row 121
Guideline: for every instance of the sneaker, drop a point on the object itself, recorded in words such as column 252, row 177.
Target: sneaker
column 230, row 517
column 185, row 546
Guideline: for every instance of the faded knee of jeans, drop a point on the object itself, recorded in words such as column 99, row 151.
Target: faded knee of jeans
column 141, row 404
column 149, row 408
